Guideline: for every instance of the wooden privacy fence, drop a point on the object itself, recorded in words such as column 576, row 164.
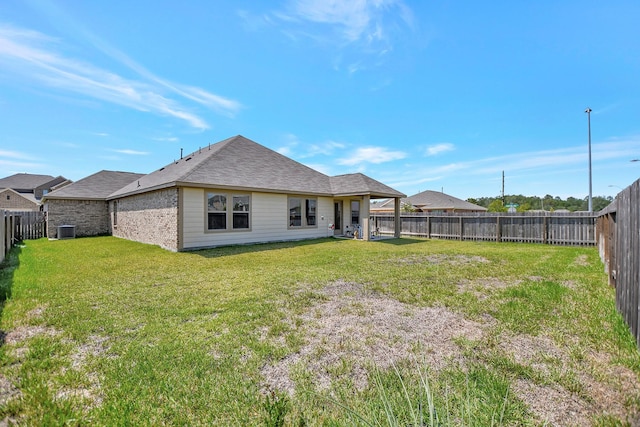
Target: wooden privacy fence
column 576, row 228
column 7, row 230
column 29, row 225
column 17, row 226
column 619, row 246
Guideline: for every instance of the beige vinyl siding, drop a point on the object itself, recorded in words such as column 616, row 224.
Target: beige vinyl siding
column 269, row 219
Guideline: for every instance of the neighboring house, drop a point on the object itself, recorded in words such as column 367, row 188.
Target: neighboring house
column 430, row 202
column 23, row 191
column 11, row 200
column 237, row 192
column 83, row 204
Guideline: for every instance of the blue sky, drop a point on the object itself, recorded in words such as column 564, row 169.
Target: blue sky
column 422, row 95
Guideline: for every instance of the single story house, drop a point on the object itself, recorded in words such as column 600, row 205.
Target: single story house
column 237, row 192
column 23, row 191
column 430, row 202
column 84, row 204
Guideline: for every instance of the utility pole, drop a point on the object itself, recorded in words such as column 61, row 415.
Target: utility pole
column 502, row 188
column 588, row 111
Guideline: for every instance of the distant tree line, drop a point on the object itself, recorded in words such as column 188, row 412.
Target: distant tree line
column 547, row 203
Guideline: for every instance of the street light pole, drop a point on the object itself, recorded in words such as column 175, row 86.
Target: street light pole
column 588, row 111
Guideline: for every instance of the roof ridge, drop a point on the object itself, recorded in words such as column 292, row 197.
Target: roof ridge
column 221, row 145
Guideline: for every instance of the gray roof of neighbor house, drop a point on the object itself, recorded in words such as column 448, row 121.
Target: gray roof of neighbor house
column 433, row 200
column 94, row 187
column 241, row 164
column 55, row 182
column 22, row 182
column 436, row 200
column 389, row 204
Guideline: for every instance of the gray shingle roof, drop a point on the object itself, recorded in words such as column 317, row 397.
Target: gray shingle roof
column 94, row 187
column 25, row 181
column 236, row 163
column 242, row 164
column 436, row 200
column 431, row 200
column 357, row 184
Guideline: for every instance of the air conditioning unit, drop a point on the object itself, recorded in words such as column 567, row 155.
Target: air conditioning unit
column 66, row 232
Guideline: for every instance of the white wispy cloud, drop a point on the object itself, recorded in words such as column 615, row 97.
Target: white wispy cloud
column 167, row 139
column 131, row 152
column 532, row 162
column 353, row 18
column 326, row 148
column 35, row 56
column 15, row 155
column 18, row 161
column 366, row 26
column 18, row 166
column 375, row 155
column 302, row 150
column 436, row 149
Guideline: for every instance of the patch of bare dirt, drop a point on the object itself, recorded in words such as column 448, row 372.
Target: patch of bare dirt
column 36, row 312
column 22, row 333
column 91, row 394
column 604, row 386
column 554, row 405
column 582, row 261
column 540, row 353
column 353, row 328
column 96, row 346
column 480, row 285
column 16, row 338
column 8, row 391
column 571, row 284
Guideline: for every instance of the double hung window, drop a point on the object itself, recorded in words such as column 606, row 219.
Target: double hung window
column 222, row 215
column 302, row 212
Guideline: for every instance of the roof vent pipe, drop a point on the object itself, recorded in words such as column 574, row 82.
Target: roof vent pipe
column 181, row 154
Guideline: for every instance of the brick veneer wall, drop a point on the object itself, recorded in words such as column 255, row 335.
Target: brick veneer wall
column 148, row 218
column 16, row 202
column 91, row 217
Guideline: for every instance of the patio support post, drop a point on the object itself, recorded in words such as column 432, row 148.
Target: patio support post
column 396, row 214
column 366, row 235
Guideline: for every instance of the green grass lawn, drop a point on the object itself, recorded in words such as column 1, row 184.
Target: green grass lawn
column 105, row 331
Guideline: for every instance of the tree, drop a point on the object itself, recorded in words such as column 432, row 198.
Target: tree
column 407, row 207
column 497, row 206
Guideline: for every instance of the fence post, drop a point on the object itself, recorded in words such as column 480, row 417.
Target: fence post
column 461, row 228
column 2, row 233
column 498, row 229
